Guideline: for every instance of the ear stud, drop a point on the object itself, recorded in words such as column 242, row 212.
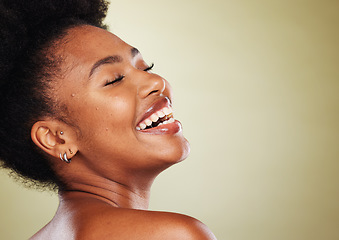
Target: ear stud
column 61, row 132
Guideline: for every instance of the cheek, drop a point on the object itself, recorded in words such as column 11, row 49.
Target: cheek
column 99, row 114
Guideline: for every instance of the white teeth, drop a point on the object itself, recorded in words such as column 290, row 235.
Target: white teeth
column 171, row 120
column 148, row 122
column 161, row 114
column 142, row 126
column 166, row 110
column 154, row 117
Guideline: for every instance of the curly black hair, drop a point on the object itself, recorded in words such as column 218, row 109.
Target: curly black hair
column 29, row 30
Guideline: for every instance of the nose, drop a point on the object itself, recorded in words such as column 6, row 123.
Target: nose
column 150, row 84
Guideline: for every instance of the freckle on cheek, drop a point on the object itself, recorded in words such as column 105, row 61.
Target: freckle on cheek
column 106, row 129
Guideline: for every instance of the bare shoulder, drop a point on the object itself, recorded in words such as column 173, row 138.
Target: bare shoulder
column 178, row 226
column 139, row 224
column 185, row 227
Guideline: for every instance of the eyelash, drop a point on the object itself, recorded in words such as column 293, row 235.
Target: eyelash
column 120, row 77
column 149, row 68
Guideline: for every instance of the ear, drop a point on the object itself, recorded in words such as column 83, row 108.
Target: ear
column 55, row 137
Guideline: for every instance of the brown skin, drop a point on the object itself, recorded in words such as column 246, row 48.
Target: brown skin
column 113, row 165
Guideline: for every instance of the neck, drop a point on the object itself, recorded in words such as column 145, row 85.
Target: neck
column 117, row 185
column 132, row 194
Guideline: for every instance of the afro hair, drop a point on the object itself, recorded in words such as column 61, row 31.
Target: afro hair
column 28, row 30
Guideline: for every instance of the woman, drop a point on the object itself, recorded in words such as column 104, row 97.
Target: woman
column 83, row 113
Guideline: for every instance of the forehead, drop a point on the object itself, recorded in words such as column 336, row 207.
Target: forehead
column 87, row 44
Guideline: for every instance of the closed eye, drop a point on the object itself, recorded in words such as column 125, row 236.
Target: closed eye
column 149, row 68
column 110, row 82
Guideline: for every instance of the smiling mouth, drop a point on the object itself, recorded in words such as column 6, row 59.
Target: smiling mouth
column 160, row 117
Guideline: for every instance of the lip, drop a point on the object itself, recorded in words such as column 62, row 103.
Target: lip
column 163, row 102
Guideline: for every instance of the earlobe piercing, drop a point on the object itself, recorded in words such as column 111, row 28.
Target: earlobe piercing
column 64, row 158
column 70, row 151
column 61, row 132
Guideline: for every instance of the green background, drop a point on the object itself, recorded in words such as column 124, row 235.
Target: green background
column 256, row 87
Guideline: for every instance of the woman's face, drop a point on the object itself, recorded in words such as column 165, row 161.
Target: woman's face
column 111, row 96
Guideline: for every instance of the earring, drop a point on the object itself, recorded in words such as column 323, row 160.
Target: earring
column 64, row 158
column 61, row 132
column 70, row 151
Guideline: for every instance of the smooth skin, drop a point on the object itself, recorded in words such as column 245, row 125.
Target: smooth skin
column 113, row 164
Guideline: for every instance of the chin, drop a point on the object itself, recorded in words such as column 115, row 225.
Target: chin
column 185, row 151
column 176, row 153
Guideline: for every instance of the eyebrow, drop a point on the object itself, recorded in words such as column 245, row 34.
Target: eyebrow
column 110, row 60
column 106, row 60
